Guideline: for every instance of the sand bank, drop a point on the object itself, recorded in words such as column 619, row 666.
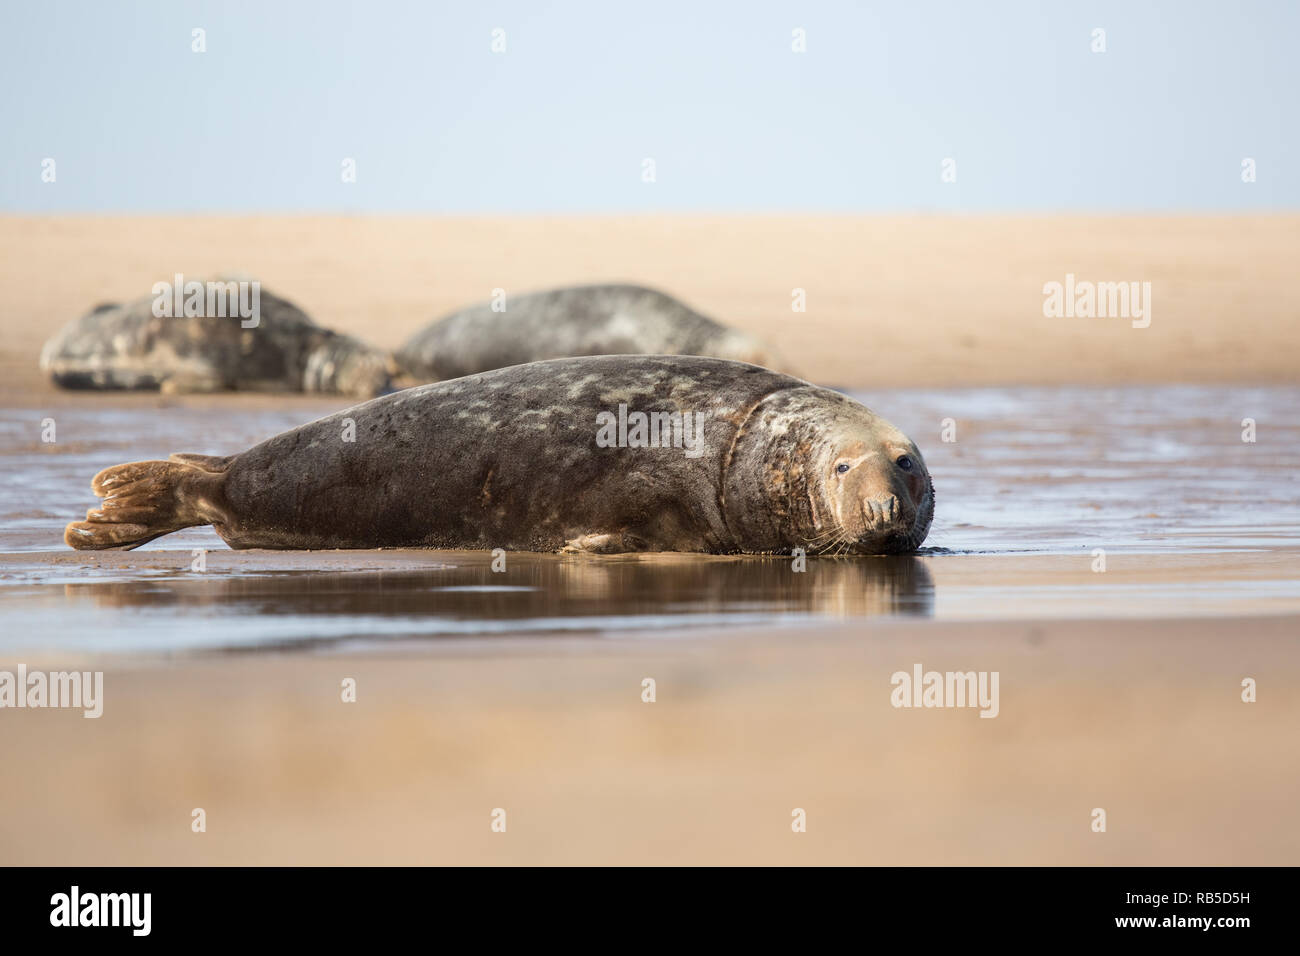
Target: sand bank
column 891, row 301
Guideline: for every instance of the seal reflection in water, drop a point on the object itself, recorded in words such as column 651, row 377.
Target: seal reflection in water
column 511, row 459
column 629, row 591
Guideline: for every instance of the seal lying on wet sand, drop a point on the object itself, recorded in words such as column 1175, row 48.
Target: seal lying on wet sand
column 282, row 349
column 585, row 454
column 582, row 320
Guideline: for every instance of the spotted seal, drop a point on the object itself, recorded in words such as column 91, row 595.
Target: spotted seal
column 580, row 320
column 599, row 454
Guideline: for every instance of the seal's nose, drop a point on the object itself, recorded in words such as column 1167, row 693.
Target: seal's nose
column 885, row 512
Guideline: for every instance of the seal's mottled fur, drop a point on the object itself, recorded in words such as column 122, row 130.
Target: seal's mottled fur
column 509, row 459
column 581, row 320
column 128, row 347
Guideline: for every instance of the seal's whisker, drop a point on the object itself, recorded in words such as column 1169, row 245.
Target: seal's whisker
column 824, row 536
column 842, row 544
column 828, row 541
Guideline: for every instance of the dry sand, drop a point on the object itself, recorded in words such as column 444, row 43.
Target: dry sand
column 949, row 300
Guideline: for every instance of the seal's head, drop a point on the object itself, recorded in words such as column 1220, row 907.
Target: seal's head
column 812, row 468
column 880, row 494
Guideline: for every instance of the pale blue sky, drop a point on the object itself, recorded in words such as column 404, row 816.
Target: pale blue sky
column 562, row 121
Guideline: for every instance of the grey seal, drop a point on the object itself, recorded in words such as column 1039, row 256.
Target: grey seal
column 579, row 320
column 281, row 349
column 553, row 456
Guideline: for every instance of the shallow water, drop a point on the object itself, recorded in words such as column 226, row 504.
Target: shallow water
column 456, row 594
column 1192, row 520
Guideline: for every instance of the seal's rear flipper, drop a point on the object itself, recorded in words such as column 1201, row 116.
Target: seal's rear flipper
column 144, row 500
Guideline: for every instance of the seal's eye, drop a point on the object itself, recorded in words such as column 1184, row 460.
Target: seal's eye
column 905, row 463
column 842, row 467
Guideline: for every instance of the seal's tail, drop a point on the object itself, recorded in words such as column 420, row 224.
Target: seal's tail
column 144, row 500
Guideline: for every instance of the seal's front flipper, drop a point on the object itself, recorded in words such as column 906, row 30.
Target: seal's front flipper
column 616, row 543
column 142, row 501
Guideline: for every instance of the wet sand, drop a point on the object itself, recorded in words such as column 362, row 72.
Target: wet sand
column 476, row 690
column 88, row 605
column 1144, row 721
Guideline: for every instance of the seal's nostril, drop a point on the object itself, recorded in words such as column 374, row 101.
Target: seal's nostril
column 884, row 510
